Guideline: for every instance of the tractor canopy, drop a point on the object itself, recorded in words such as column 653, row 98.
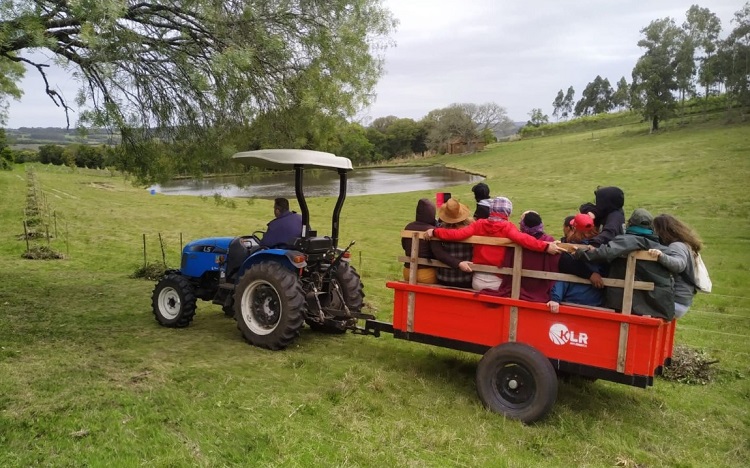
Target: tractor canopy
column 298, row 160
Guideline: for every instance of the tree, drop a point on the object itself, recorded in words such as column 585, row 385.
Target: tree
column 447, row 124
column 537, row 118
column 10, row 74
column 6, row 155
column 355, row 145
column 684, row 65
column 489, row 115
column 703, row 28
column 596, row 98
column 654, row 74
column 194, row 72
column 621, row 97
column 557, row 105
column 733, row 59
column 567, row 104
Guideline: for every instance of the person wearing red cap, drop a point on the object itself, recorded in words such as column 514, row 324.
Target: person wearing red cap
column 582, row 229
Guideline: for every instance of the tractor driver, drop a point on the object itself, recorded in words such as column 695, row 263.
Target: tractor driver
column 286, row 226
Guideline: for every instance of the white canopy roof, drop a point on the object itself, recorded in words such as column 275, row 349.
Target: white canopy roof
column 285, row 159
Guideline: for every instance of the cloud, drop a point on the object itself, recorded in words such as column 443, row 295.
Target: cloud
column 517, row 54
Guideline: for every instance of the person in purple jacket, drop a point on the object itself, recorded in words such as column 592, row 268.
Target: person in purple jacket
column 284, row 228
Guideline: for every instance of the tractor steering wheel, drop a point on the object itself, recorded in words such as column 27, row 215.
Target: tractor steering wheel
column 255, row 237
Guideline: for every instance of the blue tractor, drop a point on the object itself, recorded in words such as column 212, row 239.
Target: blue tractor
column 271, row 292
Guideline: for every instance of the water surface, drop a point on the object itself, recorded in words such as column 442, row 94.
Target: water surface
column 323, row 183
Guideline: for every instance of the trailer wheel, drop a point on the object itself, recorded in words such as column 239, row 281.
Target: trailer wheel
column 173, row 301
column 269, row 306
column 517, row 381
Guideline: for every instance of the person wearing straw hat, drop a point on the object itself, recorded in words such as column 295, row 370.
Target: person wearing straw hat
column 457, row 255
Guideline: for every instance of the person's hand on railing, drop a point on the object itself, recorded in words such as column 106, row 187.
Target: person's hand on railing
column 552, row 248
column 655, row 253
column 429, row 234
column 596, row 280
column 465, row 266
column 554, row 307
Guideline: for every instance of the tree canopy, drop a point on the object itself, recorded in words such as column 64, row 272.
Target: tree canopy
column 193, row 70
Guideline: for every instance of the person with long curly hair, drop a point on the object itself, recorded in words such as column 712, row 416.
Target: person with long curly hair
column 684, row 244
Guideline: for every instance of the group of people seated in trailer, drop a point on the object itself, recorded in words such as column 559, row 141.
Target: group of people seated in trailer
column 594, row 247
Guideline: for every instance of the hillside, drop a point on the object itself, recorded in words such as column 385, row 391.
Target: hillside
column 26, row 137
column 89, row 378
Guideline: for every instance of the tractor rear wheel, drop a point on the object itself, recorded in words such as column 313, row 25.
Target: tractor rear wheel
column 517, row 381
column 269, row 306
column 351, row 287
column 173, row 301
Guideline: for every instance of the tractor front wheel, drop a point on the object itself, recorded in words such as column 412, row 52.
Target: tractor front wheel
column 269, row 306
column 173, row 301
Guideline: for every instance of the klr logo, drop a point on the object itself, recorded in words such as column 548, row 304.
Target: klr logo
column 560, row 335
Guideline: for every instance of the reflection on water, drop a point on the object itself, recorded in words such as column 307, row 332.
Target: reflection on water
column 323, row 183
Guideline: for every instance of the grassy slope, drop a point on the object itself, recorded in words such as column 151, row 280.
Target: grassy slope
column 89, row 378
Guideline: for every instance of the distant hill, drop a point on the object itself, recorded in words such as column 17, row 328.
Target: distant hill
column 26, row 136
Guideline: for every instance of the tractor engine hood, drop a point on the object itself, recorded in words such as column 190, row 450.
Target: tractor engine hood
column 216, row 245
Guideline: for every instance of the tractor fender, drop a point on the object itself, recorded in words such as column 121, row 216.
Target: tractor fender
column 285, row 257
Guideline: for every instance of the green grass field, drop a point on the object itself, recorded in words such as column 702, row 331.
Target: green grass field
column 88, row 378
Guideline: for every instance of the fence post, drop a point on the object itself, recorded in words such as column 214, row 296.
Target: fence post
column 163, row 256
column 144, row 250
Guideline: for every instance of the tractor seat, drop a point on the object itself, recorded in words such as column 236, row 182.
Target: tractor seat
column 313, row 245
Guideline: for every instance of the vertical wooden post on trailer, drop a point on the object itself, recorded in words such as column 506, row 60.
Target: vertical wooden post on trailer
column 413, row 266
column 515, row 291
column 627, row 308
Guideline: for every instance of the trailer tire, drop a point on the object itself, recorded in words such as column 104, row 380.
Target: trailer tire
column 269, row 306
column 517, row 381
column 173, row 301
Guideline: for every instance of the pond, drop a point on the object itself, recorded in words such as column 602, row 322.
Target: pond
column 322, row 183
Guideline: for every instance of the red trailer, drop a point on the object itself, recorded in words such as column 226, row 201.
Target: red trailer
column 524, row 345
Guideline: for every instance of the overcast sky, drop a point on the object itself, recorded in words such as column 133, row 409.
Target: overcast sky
column 516, row 54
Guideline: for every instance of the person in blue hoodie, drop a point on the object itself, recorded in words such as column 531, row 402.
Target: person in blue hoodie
column 284, row 228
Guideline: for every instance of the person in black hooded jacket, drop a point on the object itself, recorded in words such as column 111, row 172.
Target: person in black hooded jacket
column 482, row 196
column 424, row 220
column 607, row 213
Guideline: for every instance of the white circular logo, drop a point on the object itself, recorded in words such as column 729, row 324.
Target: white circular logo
column 559, row 334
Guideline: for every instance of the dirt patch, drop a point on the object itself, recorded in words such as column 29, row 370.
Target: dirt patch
column 42, row 252
column 690, row 366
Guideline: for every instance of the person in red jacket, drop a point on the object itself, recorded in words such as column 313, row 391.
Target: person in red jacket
column 497, row 225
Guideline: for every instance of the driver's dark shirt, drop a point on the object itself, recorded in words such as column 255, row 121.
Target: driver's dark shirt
column 283, row 229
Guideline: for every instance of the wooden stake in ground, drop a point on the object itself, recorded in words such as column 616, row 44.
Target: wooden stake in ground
column 163, row 256
column 144, row 250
